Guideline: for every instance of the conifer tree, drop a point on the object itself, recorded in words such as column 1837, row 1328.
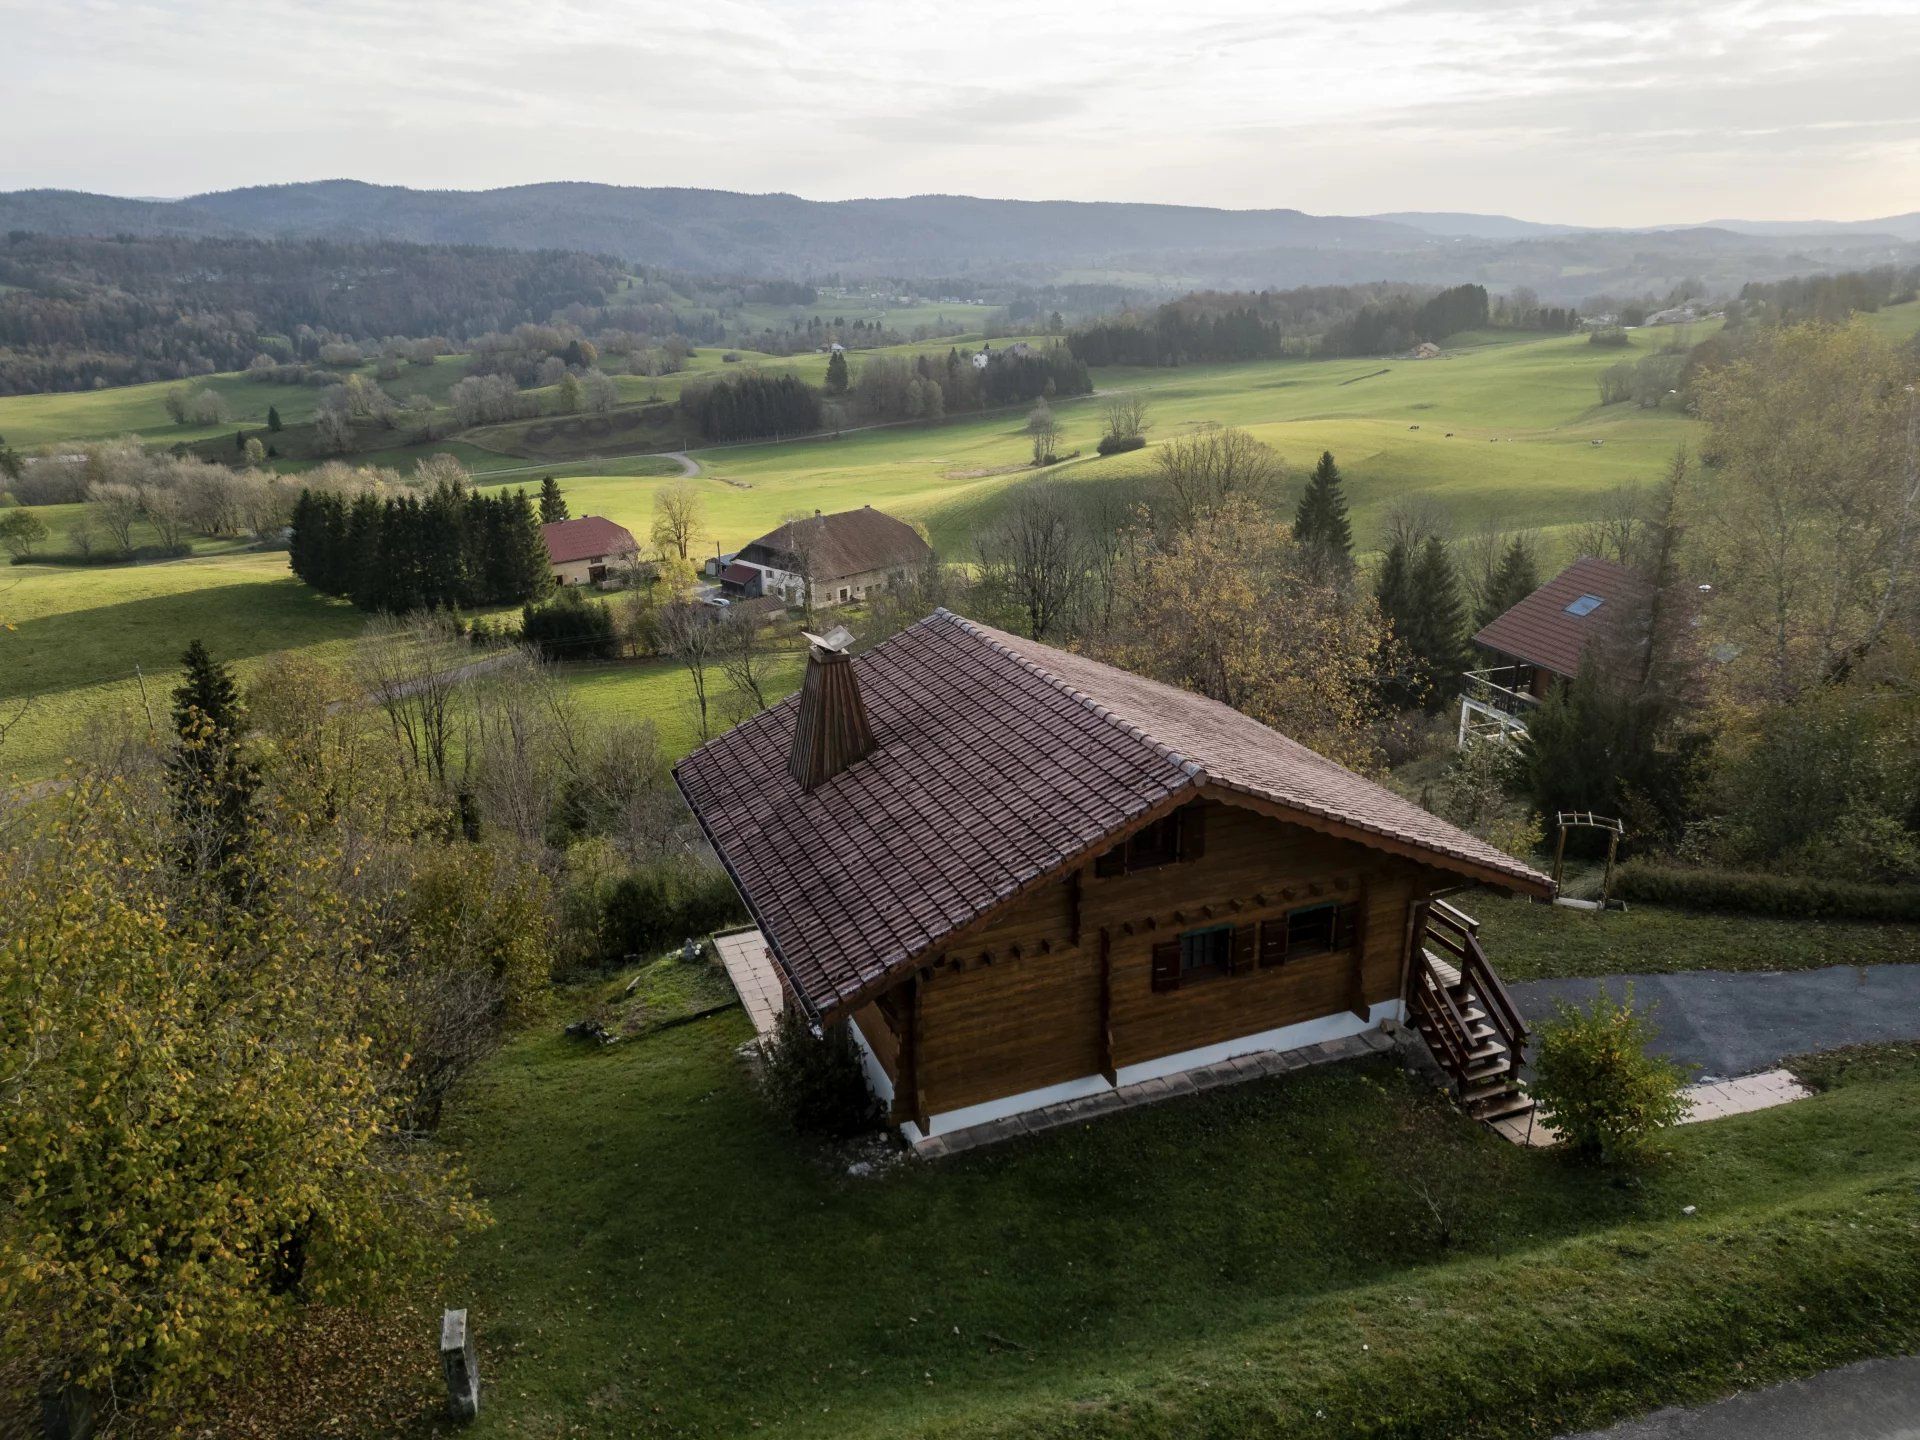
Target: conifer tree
column 528, row 570
column 212, row 781
column 240, row 441
column 553, row 505
column 837, row 381
column 273, row 419
column 1513, row 579
column 1437, row 633
column 1321, row 524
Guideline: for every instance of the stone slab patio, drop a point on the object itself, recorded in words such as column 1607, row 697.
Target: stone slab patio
column 750, row 967
column 1710, row 1100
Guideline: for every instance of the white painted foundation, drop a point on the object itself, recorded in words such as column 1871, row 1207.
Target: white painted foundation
column 1286, row 1037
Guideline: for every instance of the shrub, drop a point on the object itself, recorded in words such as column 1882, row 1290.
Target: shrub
column 1607, row 1095
column 648, row 910
column 570, row 627
column 816, row 1080
column 1610, row 337
column 1120, row 444
column 1759, row 892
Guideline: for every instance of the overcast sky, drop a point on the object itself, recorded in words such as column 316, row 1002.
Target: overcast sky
column 1624, row 112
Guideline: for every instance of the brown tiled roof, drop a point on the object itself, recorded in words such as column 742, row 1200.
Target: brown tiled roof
column 999, row 763
column 1540, row 631
column 851, row 542
column 588, row 538
column 739, row 573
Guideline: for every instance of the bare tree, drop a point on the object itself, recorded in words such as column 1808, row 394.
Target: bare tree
column 1614, row 531
column 411, row 666
column 1199, row 473
column 744, row 656
column 691, row 637
column 1127, row 416
column 115, row 507
column 1033, row 555
column 679, row 518
column 165, row 509
column 522, row 745
column 1044, row 430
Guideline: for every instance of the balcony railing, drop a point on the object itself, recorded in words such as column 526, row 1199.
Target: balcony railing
column 1494, row 702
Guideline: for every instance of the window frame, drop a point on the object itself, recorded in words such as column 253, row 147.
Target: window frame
column 1195, row 963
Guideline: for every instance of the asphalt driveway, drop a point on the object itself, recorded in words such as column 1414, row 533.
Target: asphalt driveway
column 1874, row 1400
column 1724, row 1024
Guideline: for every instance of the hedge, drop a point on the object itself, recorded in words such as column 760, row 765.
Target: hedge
column 1119, row 444
column 1760, row 893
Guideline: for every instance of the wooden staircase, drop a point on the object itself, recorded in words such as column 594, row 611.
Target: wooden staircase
column 1463, row 1012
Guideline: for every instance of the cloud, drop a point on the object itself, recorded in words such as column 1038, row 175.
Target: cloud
column 1628, row 111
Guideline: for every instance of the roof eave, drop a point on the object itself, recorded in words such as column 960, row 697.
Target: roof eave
column 1520, row 879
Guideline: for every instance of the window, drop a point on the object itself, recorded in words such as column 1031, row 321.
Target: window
column 1179, row 836
column 1206, row 952
column 1585, row 605
column 1203, row 954
column 1310, row 930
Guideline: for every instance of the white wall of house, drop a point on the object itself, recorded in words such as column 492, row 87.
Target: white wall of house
column 838, row 590
column 580, row 572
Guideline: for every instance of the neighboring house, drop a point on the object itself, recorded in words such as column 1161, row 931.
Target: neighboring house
column 1024, row 877
column 739, row 578
column 850, row 556
column 583, row 551
column 1538, row 644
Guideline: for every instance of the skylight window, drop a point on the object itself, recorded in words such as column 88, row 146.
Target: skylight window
column 1585, row 605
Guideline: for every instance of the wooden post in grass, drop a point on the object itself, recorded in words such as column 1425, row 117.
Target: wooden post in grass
column 459, row 1365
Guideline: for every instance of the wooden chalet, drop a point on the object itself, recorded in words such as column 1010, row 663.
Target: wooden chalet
column 1022, row 877
column 1538, row 644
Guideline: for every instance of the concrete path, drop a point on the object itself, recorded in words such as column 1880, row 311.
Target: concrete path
column 1874, row 1400
column 1724, row 1024
column 1705, row 1101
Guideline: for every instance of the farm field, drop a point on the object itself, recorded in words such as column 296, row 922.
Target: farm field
column 1501, row 431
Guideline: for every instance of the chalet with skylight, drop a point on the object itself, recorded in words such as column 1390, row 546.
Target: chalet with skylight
column 1539, row 644
column 1022, row 878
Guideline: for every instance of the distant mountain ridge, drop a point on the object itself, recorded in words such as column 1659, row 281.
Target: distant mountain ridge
column 1163, row 247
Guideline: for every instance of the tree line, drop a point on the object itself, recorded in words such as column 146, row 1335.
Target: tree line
column 452, row 549
column 78, row 312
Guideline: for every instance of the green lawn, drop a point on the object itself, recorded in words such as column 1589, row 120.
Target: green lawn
column 81, row 633
column 1539, row 942
column 1329, row 1253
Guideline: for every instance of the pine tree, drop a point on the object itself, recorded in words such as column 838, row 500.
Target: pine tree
column 1321, row 524
column 212, row 781
column 240, row 441
column 1437, row 626
column 837, row 381
column 273, row 419
column 1513, row 579
column 528, row 570
column 553, row 505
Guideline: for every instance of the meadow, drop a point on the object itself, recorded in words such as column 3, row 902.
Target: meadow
column 1503, row 431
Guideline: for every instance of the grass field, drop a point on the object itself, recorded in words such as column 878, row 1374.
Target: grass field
column 30, row 421
column 1333, row 1252
column 1503, row 430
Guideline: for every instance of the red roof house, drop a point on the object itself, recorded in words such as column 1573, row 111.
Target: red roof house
column 582, row 550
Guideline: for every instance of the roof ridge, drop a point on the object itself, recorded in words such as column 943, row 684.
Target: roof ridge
column 1193, row 768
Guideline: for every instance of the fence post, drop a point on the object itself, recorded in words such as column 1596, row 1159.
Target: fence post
column 459, row 1365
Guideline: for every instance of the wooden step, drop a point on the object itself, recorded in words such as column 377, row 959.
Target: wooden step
column 1514, row 1102
column 1478, row 1070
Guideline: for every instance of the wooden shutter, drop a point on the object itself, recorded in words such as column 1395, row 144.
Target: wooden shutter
column 1166, row 965
column 1114, row 862
column 1346, row 926
column 1246, row 945
column 1273, row 941
column 1193, row 831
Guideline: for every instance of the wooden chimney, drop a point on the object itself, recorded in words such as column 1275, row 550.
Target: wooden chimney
column 831, row 731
